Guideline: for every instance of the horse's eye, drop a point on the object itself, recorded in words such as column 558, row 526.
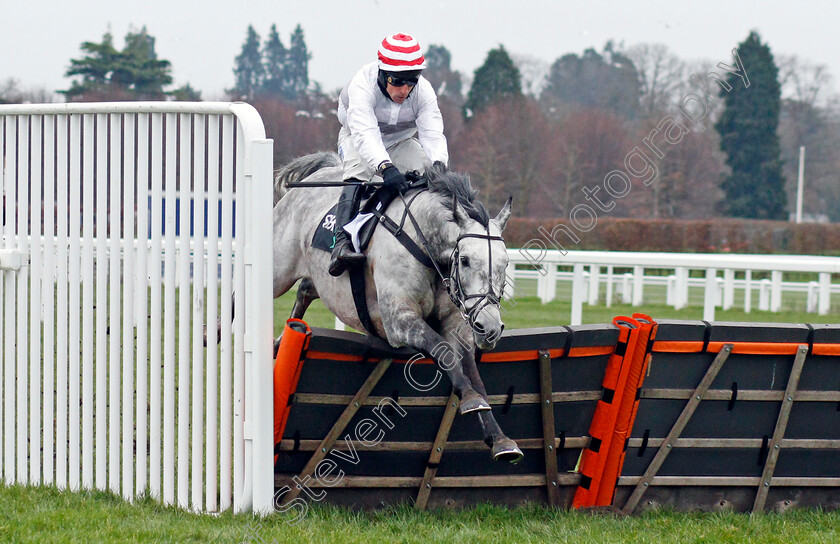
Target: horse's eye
column 465, row 262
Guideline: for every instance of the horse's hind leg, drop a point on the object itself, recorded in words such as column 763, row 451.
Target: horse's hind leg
column 305, row 295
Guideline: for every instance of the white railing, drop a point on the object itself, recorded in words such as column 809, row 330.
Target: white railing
column 591, row 269
column 105, row 381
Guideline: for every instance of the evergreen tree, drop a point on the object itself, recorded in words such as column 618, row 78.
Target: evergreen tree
column 185, row 93
column 248, row 68
column 297, row 66
column 756, row 187
column 609, row 81
column 275, row 58
column 445, row 80
column 106, row 73
column 144, row 73
column 497, row 79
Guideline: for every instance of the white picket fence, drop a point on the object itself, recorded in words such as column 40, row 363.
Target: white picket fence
column 104, row 379
column 592, row 269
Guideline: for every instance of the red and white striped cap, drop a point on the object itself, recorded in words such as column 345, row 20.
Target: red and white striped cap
column 399, row 53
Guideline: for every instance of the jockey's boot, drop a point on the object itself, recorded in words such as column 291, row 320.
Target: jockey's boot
column 343, row 255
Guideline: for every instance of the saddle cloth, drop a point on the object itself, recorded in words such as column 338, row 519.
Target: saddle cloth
column 360, row 227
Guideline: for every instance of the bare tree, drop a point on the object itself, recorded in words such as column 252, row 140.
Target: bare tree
column 803, row 81
column 12, row 93
column 662, row 76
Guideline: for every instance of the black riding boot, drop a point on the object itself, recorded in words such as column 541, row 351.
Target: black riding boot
column 343, row 255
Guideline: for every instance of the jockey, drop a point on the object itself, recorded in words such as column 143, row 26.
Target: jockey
column 390, row 124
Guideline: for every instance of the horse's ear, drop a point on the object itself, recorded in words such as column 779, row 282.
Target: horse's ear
column 504, row 214
column 458, row 212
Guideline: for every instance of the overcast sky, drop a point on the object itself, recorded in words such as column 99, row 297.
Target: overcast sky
column 202, row 37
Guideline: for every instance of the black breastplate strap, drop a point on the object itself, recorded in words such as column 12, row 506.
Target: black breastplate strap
column 406, row 241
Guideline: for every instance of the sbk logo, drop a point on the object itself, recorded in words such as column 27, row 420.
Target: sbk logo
column 329, row 222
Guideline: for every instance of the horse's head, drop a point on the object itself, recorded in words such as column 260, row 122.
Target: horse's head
column 478, row 264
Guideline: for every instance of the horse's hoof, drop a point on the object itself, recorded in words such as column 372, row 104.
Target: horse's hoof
column 505, row 449
column 473, row 402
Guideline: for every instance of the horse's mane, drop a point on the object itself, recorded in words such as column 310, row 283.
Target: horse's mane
column 450, row 184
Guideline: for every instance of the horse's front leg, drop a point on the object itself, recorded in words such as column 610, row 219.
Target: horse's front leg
column 458, row 334
column 404, row 326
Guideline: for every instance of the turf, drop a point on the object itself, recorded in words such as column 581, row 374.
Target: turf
column 47, row 515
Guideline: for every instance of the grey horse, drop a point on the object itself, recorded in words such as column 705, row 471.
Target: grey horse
column 410, row 305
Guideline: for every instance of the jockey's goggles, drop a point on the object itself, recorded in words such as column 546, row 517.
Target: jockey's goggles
column 398, row 81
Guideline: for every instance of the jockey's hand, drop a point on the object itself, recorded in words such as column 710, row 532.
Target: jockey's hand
column 440, row 166
column 393, row 178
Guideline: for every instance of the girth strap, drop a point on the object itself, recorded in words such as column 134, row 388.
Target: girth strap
column 357, row 287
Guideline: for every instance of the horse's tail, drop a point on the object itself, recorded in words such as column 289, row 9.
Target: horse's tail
column 300, row 168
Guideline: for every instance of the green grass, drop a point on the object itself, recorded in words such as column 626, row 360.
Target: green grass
column 47, row 515
column 44, row 514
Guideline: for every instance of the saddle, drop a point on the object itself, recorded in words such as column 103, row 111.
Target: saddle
column 374, row 204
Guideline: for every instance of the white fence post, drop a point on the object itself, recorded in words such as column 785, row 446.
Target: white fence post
column 776, row 291
column 764, row 295
column 728, row 288
column 638, row 285
column 626, row 290
column 594, row 284
column 710, row 298
column 747, row 291
column 577, row 295
column 825, row 293
column 812, row 297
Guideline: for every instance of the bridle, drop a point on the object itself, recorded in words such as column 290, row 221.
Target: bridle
column 456, row 289
column 452, row 282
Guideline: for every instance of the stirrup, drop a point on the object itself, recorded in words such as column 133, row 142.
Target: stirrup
column 344, row 257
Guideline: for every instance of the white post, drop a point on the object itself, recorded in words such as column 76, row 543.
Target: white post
column 728, row 288
column 594, row 284
column 681, row 287
column 626, row 295
column 670, row 289
column 825, row 293
column 609, row 285
column 551, row 282
column 260, row 429
column 638, row 278
column 799, row 183
column 811, row 297
column 710, row 294
column 764, row 295
column 776, row 291
column 747, row 291
column 577, row 295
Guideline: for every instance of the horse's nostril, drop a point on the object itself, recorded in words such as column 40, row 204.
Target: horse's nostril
column 502, row 329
